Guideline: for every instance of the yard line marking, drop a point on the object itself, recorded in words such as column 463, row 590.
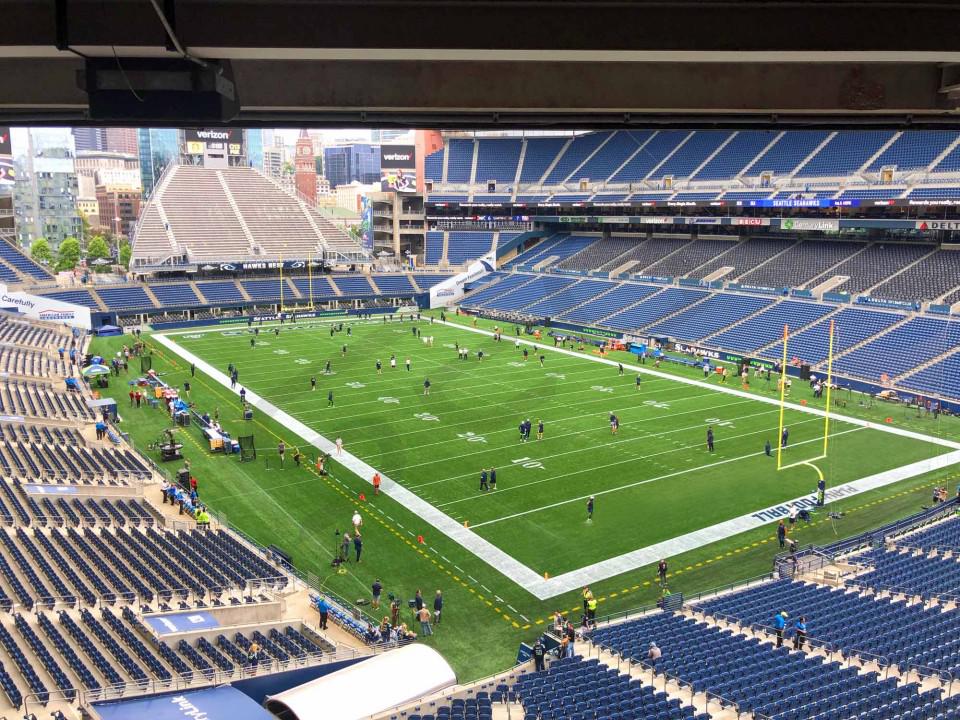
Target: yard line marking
column 525, row 618
column 485, row 587
column 741, row 393
column 641, row 457
column 647, row 436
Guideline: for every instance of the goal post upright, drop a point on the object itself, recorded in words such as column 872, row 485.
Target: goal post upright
column 826, row 414
column 783, row 397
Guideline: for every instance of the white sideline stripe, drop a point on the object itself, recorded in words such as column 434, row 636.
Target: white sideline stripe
column 721, row 531
column 731, row 391
column 483, row 549
column 527, row 578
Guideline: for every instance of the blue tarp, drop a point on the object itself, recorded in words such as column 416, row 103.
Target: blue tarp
column 182, row 622
column 222, row 703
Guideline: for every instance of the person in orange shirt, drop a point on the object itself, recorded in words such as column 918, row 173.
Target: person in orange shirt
column 376, row 483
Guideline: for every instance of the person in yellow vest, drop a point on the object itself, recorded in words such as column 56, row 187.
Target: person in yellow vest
column 592, row 611
column 587, row 597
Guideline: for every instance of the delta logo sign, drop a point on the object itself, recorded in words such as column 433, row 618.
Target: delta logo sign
column 938, row 225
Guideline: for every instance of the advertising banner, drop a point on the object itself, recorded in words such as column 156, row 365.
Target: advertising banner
column 46, row 309
column 721, row 355
column 398, row 171
column 584, row 330
column 450, row 291
column 198, row 140
column 938, row 225
column 366, row 224
column 750, row 221
column 825, row 224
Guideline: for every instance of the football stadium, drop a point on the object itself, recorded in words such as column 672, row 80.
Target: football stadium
column 317, row 402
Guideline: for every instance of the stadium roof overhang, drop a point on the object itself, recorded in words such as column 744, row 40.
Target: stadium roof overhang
column 507, row 63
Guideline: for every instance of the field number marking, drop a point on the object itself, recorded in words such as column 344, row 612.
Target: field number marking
column 558, row 376
column 472, row 437
column 657, row 404
column 719, row 423
column 355, row 385
column 389, row 400
column 601, row 388
column 426, row 417
column 529, row 463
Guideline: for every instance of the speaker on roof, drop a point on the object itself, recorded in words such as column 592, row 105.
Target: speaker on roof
column 159, row 90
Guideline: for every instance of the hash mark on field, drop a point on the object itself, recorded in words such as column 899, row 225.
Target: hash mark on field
column 485, row 587
column 525, row 618
column 512, row 608
column 499, row 599
column 472, row 579
column 401, row 526
column 445, row 558
column 460, row 569
column 434, row 550
column 390, row 519
column 409, row 533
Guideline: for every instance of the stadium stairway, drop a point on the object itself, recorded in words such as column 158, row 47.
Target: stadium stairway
column 808, row 158
column 896, row 326
column 149, row 293
column 236, row 211
column 905, row 268
column 924, row 365
column 292, row 287
column 196, row 288
column 243, row 291
column 413, row 281
column 672, row 315
column 796, row 331
column 373, row 284
column 625, row 308
column 771, row 306
column 446, row 246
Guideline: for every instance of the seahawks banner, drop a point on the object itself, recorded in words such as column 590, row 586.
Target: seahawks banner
column 450, row 291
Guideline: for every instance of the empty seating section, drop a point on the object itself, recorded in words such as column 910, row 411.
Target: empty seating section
column 540, row 287
column 770, row 682
column 656, row 149
column 918, row 340
column 598, row 254
column 570, row 197
column 694, row 152
column 801, row 263
column 612, row 155
column 433, row 166
column 576, row 153
column 318, row 287
column 497, row 160
column 654, row 307
column 941, row 535
column 77, row 297
column 934, row 193
column 697, row 195
column 434, row 248
column 865, row 194
column 621, row 296
column 710, row 316
column 735, row 155
column 940, row 379
column 950, row 162
column 646, row 253
column 873, row 265
column 538, row 252
column 539, row 154
column 747, row 194
column 491, row 198
column 788, row 152
column 908, row 572
column 41, row 401
column 504, row 283
column 268, row 290
column 892, row 628
column 198, row 208
column 767, row 327
column 21, row 262
column 448, row 198
column 459, row 161
column 845, row 153
column 223, row 291
column 175, row 295
column 531, row 198
column 426, row 281
column 398, row 284
column 277, row 221
column 851, row 326
column 743, row 257
column 6, row 273
column 610, row 197
column 914, row 150
column 569, row 297
column 125, row 298
column 578, row 688
column 931, row 277
column 689, row 257
column 354, row 285
column 463, row 247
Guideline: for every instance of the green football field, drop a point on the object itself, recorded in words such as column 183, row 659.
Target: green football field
column 654, row 481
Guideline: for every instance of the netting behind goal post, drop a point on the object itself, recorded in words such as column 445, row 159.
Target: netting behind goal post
column 248, row 451
column 781, row 465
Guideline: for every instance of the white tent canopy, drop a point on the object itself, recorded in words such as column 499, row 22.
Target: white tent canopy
column 367, row 688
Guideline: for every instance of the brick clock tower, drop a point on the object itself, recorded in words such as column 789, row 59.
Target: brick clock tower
column 305, row 167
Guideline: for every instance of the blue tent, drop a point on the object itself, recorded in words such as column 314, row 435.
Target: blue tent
column 108, row 330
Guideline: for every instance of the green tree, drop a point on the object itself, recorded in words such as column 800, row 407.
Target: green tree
column 125, row 253
column 41, row 252
column 68, row 255
column 97, row 248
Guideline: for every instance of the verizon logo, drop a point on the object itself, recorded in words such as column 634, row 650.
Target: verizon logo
column 396, row 157
column 212, row 135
